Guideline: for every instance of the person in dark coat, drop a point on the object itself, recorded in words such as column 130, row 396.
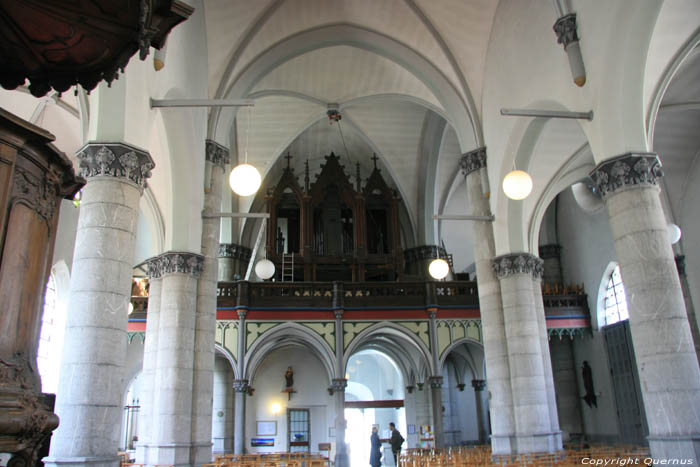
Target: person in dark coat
column 396, row 441
column 375, row 454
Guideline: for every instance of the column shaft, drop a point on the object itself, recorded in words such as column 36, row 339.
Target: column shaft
column 436, row 404
column 150, row 355
column 240, row 388
column 480, row 395
column 663, row 345
column 473, row 165
column 91, row 381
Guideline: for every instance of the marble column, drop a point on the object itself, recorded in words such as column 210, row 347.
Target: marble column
column 205, row 319
column 148, row 374
column 473, row 166
column 89, row 399
column 240, row 389
column 171, row 442
column 533, row 431
column 546, row 361
column 663, row 344
column 481, row 400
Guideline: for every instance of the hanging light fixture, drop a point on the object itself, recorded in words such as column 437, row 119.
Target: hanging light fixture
column 244, row 178
column 438, row 268
column 265, row 269
column 517, row 184
column 674, row 233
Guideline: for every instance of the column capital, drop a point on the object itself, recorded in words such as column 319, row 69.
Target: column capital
column 216, row 153
column 118, row 160
column 565, row 29
column 435, row 382
column 625, row 171
column 242, row 314
column 339, row 384
column 479, row 384
column 338, row 314
column 232, row 250
column 518, row 263
column 240, row 385
column 175, row 262
column 472, row 161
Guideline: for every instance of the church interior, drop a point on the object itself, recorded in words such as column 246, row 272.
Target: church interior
column 239, row 231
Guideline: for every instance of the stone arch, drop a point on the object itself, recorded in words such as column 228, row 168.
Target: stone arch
column 461, row 114
column 288, row 334
column 396, row 334
column 221, row 351
column 477, row 367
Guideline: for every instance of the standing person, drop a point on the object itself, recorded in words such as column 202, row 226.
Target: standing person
column 396, row 441
column 375, row 453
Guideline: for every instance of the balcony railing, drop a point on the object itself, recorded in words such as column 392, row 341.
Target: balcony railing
column 349, row 295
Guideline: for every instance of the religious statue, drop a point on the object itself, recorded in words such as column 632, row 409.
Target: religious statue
column 289, row 378
column 587, row 374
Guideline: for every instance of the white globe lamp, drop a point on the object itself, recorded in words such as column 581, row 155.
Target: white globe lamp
column 517, row 185
column 244, row 180
column 265, row 269
column 674, row 233
column 438, row 268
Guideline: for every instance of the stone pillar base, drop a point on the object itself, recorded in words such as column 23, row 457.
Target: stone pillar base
column 341, row 460
column 537, row 442
column 680, row 447
column 502, row 444
column 103, row 461
column 175, row 454
column 202, row 453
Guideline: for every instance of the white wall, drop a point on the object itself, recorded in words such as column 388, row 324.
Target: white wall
column 65, row 233
column 310, row 383
column 222, row 412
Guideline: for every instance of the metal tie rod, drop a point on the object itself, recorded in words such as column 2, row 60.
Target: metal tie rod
column 165, row 103
column 253, row 215
column 450, row 217
column 547, row 113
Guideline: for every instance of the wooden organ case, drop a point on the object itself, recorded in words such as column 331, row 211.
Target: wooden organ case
column 331, row 230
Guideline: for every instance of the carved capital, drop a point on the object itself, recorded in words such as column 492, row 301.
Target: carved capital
column 216, row 153
column 240, row 385
column 232, row 250
column 175, row 262
column 479, row 384
column 435, row 382
column 627, row 170
column 338, row 314
column 115, row 160
column 518, row 263
column 409, row 389
column 339, row 384
column 472, row 161
column 565, row 29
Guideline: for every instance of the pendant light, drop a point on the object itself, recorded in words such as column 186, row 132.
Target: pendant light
column 517, row 184
column 438, row 268
column 674, row 233
column 244, row 178
column 265, row 268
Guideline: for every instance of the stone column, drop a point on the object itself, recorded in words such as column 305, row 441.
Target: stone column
column 233, row 261
column 148, row 375
column 481, row 400
column 546, row 360
column 339, row 383
column 205, row 320
column 533, row 431
column 690, row 309
column 240, row 389
column 341, row 451
column 172, row 421
column 663, row 344
column 473, row 166
column 222, row 423
column 89, row 399
column 435, row 383
column 566, row 388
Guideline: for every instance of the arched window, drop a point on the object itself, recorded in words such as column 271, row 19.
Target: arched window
column 615, row 301
column 50, row 339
